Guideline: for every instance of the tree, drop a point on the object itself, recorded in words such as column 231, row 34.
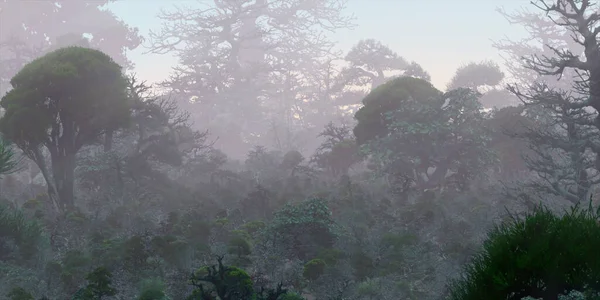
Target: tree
column 228, row 283
column 370, row 60
column 507, row 125
column 8, row 161
column 28, row 29
column 560, row 154
column 541, row 255
column 566, row 147
column 19, row 293
column 486, row 78
column 417, row 135
column 476, row 75
column 242, row 63
column 99, row 285
column 338, row 152
column 303, row 229
column 415, row 70
column 152, row 289
column 544, row 36
column 63, row 101
column 372, row 121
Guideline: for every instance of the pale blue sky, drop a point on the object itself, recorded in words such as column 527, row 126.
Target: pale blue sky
column 440, row 35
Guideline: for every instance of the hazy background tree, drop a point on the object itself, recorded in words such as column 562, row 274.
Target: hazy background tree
column 29, row 28
column 557, row 89
column 240, row 71
column 486, row 78
column 419, row 136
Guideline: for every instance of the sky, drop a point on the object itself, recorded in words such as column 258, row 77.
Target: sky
column 440, row 35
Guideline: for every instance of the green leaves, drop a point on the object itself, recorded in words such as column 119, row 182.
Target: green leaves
column 9, row 163
column 542, row 255
column 395, row 95
column 99, row 285
column 305, row 228
column 445, row 133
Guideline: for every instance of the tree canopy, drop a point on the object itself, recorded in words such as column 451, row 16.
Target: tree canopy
column 63, row 101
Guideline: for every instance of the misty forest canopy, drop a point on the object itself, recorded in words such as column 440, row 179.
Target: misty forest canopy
column 269, row 165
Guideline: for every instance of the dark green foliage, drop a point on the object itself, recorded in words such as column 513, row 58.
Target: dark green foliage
column 271, row 294
column 74, row 265
column 19, row 293
column 291, row 296
column 305, row 228
column 170, row 247
column 257, row 204
column 9, row 163
column 99, row 285
column 331, row 256
column 239, row 246
column 394, row 245
column 254, row 227
column 314, row 269
column 363, row 265
column 408, row 128
column 388, row 97
column 63, row 101
column 542, row 255
column 152, row 289
column 16, row 228
column 228, row 283
column 136, row 253
column 338, row 152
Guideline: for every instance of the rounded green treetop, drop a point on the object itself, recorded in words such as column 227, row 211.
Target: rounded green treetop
column 64, row 100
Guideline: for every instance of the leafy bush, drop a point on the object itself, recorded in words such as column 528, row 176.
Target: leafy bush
column 152, row 289
column 542, row 255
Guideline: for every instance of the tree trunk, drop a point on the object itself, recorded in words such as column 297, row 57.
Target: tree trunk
column 63, row 169
column 39, row 159
column 108, row 140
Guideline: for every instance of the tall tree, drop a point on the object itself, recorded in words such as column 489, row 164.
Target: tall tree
column 420, row 136
column 62, row 101
column 486, row 78
column 29, row 29
column 238, row 58
column 543, row 37
column 567, row 151
column 371, row 62
column 338, row 152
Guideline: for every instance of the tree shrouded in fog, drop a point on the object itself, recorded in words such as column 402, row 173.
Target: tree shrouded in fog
column 419, row 135
column 370, row 63
column 29, row 28
column 61, row 102
column 241, row 63
column 370, row 60
column 486, row 78
column 556, row 81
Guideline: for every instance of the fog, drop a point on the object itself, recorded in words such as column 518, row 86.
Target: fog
column 298, row 149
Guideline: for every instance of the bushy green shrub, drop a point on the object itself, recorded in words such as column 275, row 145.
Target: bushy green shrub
column 542, row 255
column 19, row 293
column 152, row 289
column 314, row 269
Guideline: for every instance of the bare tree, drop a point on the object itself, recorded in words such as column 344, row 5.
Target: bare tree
column 566, row 148
column 242, row 62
